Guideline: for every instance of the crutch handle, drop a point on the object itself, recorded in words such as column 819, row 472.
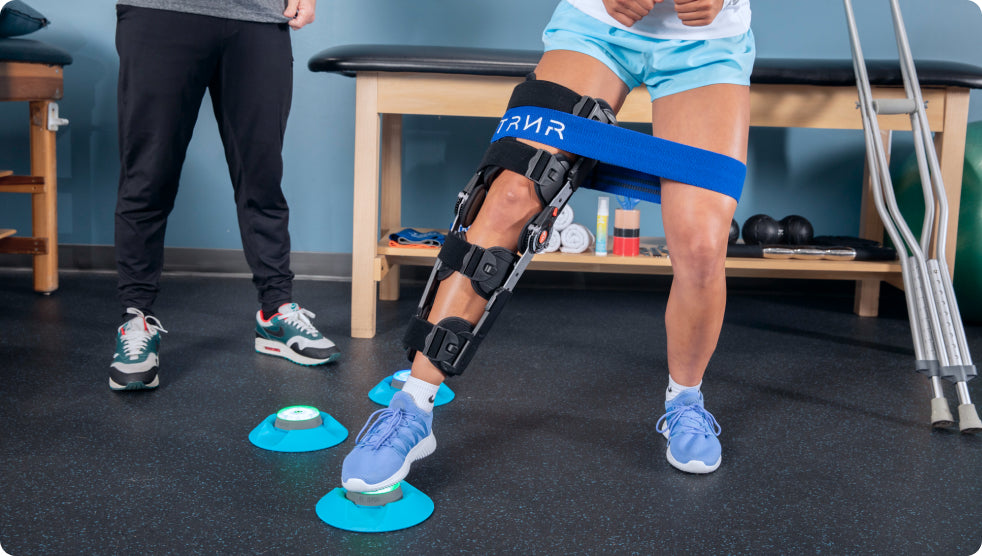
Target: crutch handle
column 885, row 106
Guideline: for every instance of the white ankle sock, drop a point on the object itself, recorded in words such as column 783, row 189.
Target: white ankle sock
column 674, row 389
column 422, row 392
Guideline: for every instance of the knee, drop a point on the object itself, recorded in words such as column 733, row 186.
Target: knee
column 699, row 260
column 511, row 201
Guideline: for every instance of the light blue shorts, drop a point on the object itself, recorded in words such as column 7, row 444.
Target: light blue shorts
column 664, row 66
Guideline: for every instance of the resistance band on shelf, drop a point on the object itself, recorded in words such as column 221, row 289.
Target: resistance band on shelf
column 410, row 237
column 631, row 162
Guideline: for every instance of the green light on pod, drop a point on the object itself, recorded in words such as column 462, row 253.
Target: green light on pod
column 385, row 490
column 298, row 413
column 376, row 498
column 298, row 417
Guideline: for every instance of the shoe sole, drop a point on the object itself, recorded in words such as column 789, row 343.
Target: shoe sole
column 135, row 385
column 279, row 349
column 694, row 466
column 420, row 451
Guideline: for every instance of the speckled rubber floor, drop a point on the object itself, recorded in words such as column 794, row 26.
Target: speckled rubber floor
column 549, row 447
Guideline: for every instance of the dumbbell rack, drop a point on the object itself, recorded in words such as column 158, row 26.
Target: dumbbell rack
column 940, row 346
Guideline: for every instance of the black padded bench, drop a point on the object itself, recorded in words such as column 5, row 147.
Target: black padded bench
column 31, row 71
column 393, row 80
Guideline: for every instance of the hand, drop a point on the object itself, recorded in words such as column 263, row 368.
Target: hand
column 696, row 13
column 629, row 12
column 300, row 12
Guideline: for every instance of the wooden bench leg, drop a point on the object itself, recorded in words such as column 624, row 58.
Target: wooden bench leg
column 391, row 196
column 364, row 241
column 44, row 205
column 950, row 146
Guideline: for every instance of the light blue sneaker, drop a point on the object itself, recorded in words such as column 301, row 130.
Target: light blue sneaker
column 391, row 440
column 692, row 434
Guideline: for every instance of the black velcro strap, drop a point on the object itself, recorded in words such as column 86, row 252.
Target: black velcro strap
column 547, row 170
column 546, row 94
column 441, row 343
column 509, row 154
column 487, row 268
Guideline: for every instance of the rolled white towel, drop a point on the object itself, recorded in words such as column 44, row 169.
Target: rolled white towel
column 576, row 238
column 564, row 219
column 553, row 242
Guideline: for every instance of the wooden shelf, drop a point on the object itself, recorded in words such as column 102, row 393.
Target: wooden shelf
column 642, row 264
column 21, row 184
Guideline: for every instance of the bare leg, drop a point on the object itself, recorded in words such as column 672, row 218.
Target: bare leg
column 697, row 222
column 511, row 199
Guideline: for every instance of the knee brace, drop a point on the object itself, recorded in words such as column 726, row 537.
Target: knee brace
column 554, row 176
column 494, row 271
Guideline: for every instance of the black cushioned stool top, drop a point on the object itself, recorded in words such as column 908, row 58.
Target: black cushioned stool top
column 31, row 51
column 350, row 59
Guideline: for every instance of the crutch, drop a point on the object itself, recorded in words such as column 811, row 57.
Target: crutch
column 935, row 322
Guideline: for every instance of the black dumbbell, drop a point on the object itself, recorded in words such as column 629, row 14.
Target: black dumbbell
column 761, row 229
column 797, row 230
column 734, row 232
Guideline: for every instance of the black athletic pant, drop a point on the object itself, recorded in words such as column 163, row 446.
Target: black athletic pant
column 167, row 60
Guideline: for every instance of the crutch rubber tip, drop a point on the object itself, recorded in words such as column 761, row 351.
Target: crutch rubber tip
column 968, row 419
column 941, row 414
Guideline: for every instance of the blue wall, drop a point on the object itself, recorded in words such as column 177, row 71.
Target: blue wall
column 814, row 173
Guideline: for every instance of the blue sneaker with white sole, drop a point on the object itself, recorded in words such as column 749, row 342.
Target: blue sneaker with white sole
column 391, row 440
column 692, row 434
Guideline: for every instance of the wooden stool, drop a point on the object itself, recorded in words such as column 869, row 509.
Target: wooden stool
column 31, row 72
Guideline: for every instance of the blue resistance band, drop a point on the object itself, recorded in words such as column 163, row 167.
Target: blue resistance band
column 631, row 162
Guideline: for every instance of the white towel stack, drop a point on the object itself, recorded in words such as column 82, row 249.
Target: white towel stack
column 553, row 242
column 565, row 218
column 576, row 238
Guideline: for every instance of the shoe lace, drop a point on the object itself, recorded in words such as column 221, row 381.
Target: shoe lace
column 690, row 419
column 135, row 337
column 383, row 425
column 301, row 319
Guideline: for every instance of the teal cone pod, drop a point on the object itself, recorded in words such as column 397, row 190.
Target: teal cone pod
column 412, row 509
column 383, row 391
column 298, row 429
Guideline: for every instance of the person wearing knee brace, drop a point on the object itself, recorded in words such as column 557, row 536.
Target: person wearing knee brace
column 171, row 52
column 695, row 58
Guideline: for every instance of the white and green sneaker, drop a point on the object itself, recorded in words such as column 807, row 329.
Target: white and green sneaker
column 289, row 334
column 135, row 362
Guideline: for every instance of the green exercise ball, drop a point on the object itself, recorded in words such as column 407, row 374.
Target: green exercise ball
column 967, row 277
